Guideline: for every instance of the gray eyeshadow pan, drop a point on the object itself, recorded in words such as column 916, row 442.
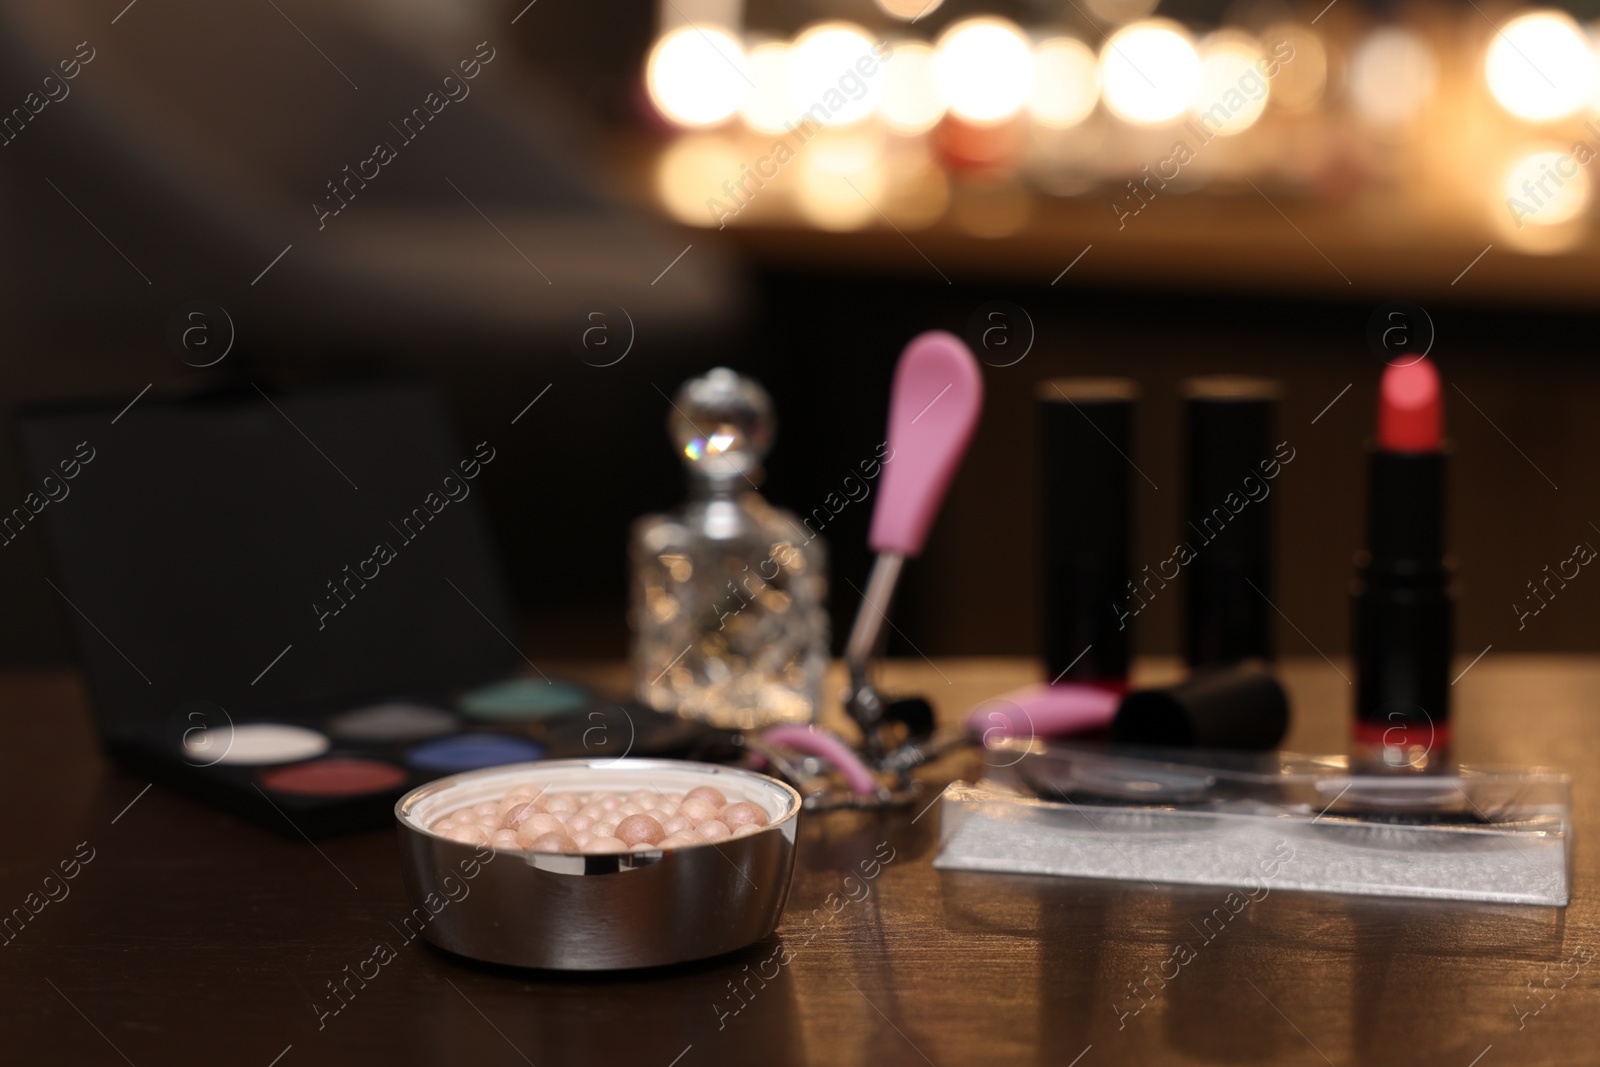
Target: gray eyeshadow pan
column 392, row 723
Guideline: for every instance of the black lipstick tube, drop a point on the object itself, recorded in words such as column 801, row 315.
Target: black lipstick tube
column 1404, row 612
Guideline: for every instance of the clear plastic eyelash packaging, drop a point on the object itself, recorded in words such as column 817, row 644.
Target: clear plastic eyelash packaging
column 1315, row 823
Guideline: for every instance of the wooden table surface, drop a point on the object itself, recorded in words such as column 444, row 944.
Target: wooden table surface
column 188, row 937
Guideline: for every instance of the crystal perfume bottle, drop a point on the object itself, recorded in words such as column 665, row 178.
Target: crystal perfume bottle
column 729, row 615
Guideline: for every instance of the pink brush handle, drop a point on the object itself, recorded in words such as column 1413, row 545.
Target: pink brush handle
column 829, row 749
column 933, row 409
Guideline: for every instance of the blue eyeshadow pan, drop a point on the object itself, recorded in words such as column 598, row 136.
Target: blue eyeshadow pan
column 468, row 752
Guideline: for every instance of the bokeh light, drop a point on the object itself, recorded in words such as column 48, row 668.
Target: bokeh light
column 697, row 76
column 909, row 10
column 826, row 76
column 842, row 178
column 911, row 101
column 1303, row 66
column 766, row 107
column 1066, row 83
column 1233, row 88
column 984, row 69
column 1149, row 72
column 691, row 172
column 1546, row 189
column 1540, row 66
column 1392, row 76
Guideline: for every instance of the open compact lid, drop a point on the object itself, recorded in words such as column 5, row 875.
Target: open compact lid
column 270, row 551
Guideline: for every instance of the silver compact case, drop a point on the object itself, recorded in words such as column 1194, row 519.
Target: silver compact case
column 597, row 912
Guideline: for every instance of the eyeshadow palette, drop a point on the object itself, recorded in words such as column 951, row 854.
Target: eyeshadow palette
column 290, row 604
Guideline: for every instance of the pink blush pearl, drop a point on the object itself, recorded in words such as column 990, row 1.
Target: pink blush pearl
column 713, row 830
column 707, row 792
column 591, row 811
column 674, row 798
column 441, row 825
column 605, row 844
column 581, row 839
column 466, row 815
column 469, row 835
column 660, row 815
column 610, row 802
column 538, row 826
column 640, row 829
column 698, row 809
column 683, row 840
column 747, row 829
column 562, row 803
column 553, row 843
column 505, row 839
column 676, row 824
column 743, row 814
column 488, row 807
column 511, row 804
column 579, row 823
column 514, row 818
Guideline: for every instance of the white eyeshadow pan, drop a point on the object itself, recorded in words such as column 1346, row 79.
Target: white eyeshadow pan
column 254, row 744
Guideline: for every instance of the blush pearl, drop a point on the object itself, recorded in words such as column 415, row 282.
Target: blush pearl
column 553, row 843
column 683, row 840
column 660, row 815
column 698, row 809
column 676, row 824
column 579, row 823
column 537, row 826
column 582, row 838
column 562, row 802
column 466, row 815
column 469, row 835
column 505, row 839
column 743, row 814
column 640, row 829
column 713, row 830
column 605, row 844
column 488, row 807
column 518, row 815
column 746, row 830
column 708, row 792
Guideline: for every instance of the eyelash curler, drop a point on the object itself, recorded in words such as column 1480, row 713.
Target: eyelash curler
column 934, row 406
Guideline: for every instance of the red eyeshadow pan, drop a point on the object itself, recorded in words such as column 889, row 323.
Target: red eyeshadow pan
column 334, row 778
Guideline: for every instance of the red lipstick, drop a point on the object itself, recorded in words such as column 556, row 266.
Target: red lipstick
column 1404, row 609
column 1411, row 409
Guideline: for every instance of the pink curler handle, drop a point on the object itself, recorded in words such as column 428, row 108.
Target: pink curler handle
column 829, row 749
column 933, row 409
column 1044, row 711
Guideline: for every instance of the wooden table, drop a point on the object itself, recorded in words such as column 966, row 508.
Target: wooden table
column 192, row 938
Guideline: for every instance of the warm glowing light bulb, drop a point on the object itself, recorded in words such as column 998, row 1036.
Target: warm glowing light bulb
column 690, row 176
column 984, row 68
column 1149, row 71
column 1233, row 88
column 1303, row 66
column 1066, row 83
column 1546, row 189
column 841, row 181
column 909, row 9
column 766, row 107
column 835, row 75
column 1392, row 75
column 911, row 100
column 1540, row 66
column 697, row 76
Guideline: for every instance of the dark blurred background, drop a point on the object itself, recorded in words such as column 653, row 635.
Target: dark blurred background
column 190, row 159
